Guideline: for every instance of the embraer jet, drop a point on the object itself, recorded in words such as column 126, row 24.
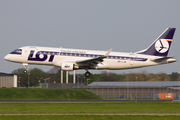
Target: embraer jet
column 74, row 59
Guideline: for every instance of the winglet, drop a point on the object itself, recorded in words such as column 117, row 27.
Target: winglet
column 106, row 55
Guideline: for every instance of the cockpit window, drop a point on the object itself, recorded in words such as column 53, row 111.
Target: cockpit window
column 17, row 51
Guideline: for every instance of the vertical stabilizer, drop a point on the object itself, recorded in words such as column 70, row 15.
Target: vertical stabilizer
column 161, row 46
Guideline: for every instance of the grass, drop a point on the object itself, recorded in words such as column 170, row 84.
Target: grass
column 78, row 108
column 89, row 108
column 45, row 94
column 102, row 108
column 88, row 117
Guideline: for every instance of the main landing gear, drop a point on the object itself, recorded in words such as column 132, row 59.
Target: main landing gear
column 87, row 74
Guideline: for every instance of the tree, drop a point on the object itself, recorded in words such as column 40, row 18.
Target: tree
column 111, row 76
column 22, row 77
column 93, row 78
column 54, row 70
column 36, row 75
column 174, row 76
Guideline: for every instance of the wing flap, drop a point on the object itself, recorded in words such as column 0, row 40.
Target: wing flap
column 94, row 61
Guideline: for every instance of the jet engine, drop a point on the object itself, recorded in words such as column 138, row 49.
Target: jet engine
column 67, row 66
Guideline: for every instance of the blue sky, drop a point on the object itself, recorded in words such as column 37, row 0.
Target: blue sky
column 124, row 25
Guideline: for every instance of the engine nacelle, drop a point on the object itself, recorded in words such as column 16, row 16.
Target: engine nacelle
column 67, row 66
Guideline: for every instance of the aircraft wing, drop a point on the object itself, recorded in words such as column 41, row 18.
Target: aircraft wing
column 93, row 61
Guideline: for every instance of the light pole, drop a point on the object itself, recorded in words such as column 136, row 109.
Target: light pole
column 28, row 79
column 178, row 85
column 136, row 87
column 19, row 81
column 78, row 80
column 87, row 81
column 127, row 85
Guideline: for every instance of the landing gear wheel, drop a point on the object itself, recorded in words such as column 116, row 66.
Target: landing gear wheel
column 25, row 71
column 25, row 65
column 87, row 74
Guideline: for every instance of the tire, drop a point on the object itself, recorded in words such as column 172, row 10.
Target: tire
column 25, row 71
column 87, row 74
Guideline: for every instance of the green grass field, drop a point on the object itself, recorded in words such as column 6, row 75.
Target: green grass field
column 105, row 108
column 45, row 94
column 88, row 117
column 78, row 111
column 82, row 109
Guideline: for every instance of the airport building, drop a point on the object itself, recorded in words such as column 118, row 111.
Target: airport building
column 8, row 80
column 137, row 90
column 127, row 90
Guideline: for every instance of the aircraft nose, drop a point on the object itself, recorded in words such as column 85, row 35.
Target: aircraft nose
column 7, row 57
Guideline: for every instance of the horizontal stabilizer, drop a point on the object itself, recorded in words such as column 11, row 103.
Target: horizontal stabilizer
column 164, row 59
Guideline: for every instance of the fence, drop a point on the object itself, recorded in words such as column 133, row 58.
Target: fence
column 135, row 92
column 126, row 92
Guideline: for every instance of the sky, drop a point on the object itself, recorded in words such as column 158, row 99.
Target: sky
column 123, row 25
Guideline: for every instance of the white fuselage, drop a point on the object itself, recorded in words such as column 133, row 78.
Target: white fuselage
column 73, row 59
column 55, row 56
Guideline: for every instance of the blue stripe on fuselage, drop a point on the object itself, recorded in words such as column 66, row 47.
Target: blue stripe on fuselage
column 52, row 54
column 109, row 57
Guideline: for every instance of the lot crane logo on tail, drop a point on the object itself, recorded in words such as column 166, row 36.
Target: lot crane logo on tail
column 162, row 46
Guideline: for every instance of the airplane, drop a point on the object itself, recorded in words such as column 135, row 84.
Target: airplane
column 74, row 59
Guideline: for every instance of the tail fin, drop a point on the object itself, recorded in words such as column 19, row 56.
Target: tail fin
column 161, row 46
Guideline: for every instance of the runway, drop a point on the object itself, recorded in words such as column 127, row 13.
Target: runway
column 77, row 101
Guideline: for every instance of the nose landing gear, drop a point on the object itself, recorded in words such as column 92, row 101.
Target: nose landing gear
column 25, row 65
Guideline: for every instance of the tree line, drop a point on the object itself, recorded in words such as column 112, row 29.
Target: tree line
column 36, row 76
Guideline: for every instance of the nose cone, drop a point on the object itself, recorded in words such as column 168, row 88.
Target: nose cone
column 7, row 57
